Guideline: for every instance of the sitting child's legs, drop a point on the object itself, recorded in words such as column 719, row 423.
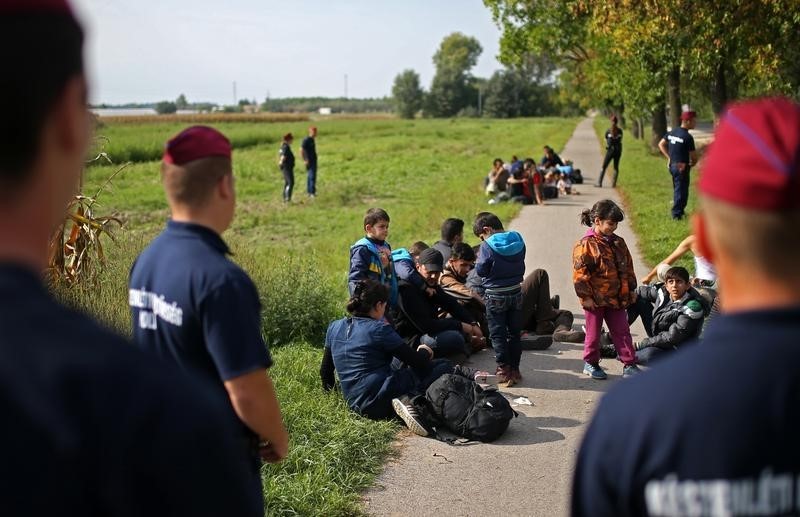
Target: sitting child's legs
column 446, row 343
column 647, row 356
column 644, row 309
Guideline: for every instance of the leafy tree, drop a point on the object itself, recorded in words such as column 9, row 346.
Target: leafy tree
column 166, row 107
column 181, row 103
column 452, row 88
column 407, row 93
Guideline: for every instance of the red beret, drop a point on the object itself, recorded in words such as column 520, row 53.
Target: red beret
column 688, row 115
column 754, row 161
column 194, row 143
column 35, row 7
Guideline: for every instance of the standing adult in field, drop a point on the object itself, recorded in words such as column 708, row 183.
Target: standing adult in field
column 713, row 430
column 677, row 146
column 193, row 307
column 308, row 151
column 91, row 426
column 613, row 152
column 286, row 164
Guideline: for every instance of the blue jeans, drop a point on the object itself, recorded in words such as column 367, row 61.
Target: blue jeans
column 504, row 319
column 680, row 189
column 445, row 342
column 404, row 381
column 311, row 183
column 652, row 354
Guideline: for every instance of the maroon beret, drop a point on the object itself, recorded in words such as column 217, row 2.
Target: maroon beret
column 754, row 160
column 194, row 143
column 688, row 115
column 11, row 7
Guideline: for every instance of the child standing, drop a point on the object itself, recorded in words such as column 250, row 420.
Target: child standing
column 371, row 256
column 606, row 285
column 501, row 265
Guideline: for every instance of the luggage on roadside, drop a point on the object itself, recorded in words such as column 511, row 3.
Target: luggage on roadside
column 464, row 408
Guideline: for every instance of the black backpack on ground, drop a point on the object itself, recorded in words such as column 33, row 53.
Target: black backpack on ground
column 466, row 409
column 576, row 177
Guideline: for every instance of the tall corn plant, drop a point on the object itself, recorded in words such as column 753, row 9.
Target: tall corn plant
column 76, row 247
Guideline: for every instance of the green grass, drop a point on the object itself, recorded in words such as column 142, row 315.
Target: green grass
column 646, row 188
column 420, row 171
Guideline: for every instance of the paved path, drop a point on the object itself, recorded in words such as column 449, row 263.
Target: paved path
column 528, row 471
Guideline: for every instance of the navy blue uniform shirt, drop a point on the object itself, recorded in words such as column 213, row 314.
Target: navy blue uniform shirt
column 309, row 147
column 195, row 308
column 680, row 143
column 92, row 426
column 714, row 430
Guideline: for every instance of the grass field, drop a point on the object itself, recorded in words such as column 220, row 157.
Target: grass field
column 646, row 187
column 420, row 171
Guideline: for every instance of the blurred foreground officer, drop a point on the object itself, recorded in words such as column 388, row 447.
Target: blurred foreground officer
column 194, row 307
column 714, row 430
column 90, row 425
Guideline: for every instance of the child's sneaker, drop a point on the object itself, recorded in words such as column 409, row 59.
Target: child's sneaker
column 594, row 371
column 505, row 375
column 409, row 415
column 630, row 370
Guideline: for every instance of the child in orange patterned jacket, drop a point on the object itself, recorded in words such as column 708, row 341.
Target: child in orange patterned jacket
column 606, row 285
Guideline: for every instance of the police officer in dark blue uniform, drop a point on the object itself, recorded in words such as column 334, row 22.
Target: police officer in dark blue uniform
column 613, row 152
column 677, row 146
column 91, row 425
column 194, row 307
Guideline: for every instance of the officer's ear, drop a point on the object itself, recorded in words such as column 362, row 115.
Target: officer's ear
column 225, row 186
column 701, row 236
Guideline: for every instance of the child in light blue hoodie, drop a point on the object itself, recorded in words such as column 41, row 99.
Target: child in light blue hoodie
column 501, row 265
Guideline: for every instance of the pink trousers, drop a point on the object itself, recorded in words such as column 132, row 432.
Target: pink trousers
column 617, row 321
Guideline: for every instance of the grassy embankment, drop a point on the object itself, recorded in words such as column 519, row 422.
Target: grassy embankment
column 646, row 187
column 420, row 171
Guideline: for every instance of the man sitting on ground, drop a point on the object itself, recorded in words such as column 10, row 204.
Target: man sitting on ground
column 454, row 280
column 541, row 314
column 417, row 316
column 676, row 318
column 452, row 232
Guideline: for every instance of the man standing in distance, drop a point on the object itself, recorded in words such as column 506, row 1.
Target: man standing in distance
column 194, row 307
column 721, row 440
column 308, row 151
column 677, row 146
column 91, row 426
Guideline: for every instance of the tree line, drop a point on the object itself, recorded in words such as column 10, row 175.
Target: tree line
column 644, row 59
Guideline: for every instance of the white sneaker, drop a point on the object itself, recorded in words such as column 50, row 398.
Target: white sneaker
column 409, row 416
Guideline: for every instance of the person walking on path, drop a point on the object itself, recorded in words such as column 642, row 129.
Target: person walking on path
column 677, row 146
column 286, row 163
column 722, row 440
column 91, row 425
column 308, row 151
column 193, row 307
column 606, row 285
column 613, row 152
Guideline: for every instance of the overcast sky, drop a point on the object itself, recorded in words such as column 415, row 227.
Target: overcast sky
column 151, row 50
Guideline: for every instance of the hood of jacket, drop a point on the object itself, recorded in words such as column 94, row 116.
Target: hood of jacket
column 506, row 243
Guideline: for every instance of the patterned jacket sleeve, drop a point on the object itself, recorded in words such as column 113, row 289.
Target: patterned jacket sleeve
column 582, row 263
column 630, row 274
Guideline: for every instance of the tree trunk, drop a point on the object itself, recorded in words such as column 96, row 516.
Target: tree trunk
column 719, row 90
column 659, row 125
column 674, row 96
column 636, row 129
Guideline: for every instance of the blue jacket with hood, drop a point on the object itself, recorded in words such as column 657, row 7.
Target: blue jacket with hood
column 501, row 260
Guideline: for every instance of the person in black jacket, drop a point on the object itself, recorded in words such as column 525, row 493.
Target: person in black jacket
column 613, row 152
column 417, row 316
column 676, row 317
column 286, row 163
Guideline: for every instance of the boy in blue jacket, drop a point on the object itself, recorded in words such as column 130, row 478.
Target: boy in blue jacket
column 501, row 265
column 371, row 256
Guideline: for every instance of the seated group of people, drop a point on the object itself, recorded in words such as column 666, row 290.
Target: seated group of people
column 530, row 183
column 415, row 313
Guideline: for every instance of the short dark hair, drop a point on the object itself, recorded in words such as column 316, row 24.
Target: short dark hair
column 192, row 183
column 366, row 294
column 40, row 54
column 486, row 219
column 417, row 248
column 677, row 273
column 375, row 215
column 497, row 160
column 462, row 251
column 606, row 210
column 451, row 228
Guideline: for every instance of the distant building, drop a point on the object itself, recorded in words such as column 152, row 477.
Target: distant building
column 325, row 111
